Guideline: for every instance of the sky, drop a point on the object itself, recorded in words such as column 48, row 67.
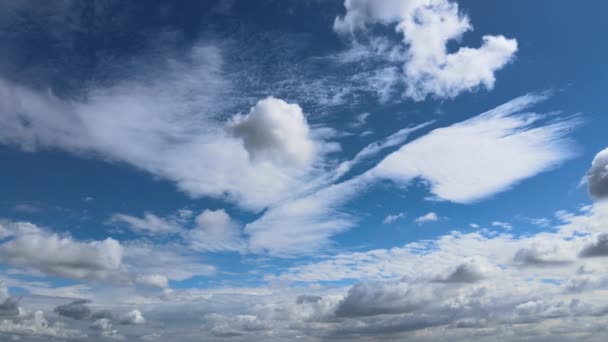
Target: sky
column 359, row 170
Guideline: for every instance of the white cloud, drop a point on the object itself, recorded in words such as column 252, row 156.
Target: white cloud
column 484, row 155
column 597, row 176
column 427, row 26
column 153, row 280
column 31, row 247
column 150, row 224
column 132, row 317
column 303, row 225
column 503, row 225
column 174, row 261
column 429, row 217
column 275, row 130
column 160, row 126
column 215, row 231
column 462, row 163
column 392, row 218
column 38, row 326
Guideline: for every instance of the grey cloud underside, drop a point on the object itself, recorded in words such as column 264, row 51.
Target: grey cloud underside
column 76, row 310
column 598, row 248
column 597, row 176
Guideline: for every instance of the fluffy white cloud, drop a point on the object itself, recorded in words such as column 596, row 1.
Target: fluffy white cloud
column 132, row 317
column 484, row 155
column 427, row 26
column 275, row 130
column 597, row 176
column 31, row 247
column 429, row 217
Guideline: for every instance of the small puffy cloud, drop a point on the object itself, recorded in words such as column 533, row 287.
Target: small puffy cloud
column 153, row 280
column 598, row 248
column 392, row 218
column 215, row 231
column 427, row 27
column 132, row 317
column 430, row 217
column 597, row 176
column 503, row 225
column 76, row 309
column 275, row 130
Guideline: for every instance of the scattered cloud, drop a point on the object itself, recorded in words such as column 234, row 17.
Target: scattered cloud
column 429, row 217
column 31, row 247
column 392, row 218
column 422, row 57
column 132, row 317
column 150, row 224
column 26, row 208
column 503, row 225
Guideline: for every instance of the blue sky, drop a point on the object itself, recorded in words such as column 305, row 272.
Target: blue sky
column 358, row 169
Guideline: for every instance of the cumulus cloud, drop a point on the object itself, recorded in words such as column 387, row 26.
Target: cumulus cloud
column 484, row 155
column 597, row 176
column 598, row 248
column 38, row 326
column 274, row 129
column 430, row 217
column 132, row 317
column 370, row 299
column 427, row 68
column 77, row 309
column 215, row 231
column 32, row 247
column 102, row 324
